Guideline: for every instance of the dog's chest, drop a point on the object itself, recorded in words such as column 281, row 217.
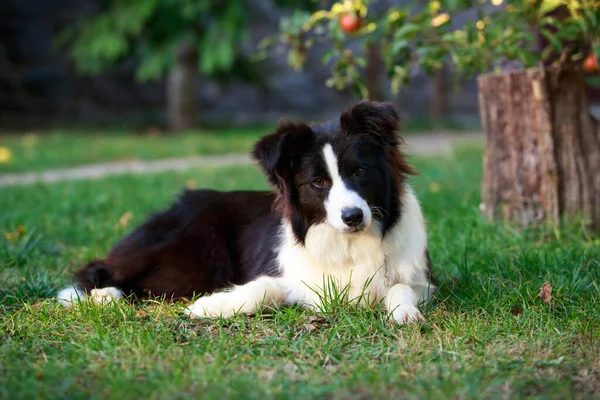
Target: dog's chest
column 330, row 264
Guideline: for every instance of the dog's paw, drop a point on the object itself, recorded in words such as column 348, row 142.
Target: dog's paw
column 105, row 295
column 406, row 314
column 70, row 296
column 196, row 310
column 206, row 307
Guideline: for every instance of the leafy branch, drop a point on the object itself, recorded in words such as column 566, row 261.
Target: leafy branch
column 422, row 37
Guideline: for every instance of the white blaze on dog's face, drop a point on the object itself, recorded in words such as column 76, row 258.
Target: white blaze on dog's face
column 346, row 210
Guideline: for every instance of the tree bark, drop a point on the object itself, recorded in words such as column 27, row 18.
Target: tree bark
column 437, row 102
column 181, row 91
column 542, row 147
column 374, row 70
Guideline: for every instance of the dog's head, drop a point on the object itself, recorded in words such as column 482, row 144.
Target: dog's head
column 346, row 173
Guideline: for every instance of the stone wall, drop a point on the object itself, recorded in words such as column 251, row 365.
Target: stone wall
column 38, row 85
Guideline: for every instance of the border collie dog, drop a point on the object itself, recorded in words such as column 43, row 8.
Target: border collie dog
column 342, row 214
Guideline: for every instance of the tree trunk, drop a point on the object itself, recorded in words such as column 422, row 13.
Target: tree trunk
column 181, row 91
column 542, row 147
column 374, row 69
column 437, row 102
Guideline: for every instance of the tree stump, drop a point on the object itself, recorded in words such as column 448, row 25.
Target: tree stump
column 542, row 147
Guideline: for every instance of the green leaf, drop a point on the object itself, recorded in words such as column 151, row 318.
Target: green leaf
column 360, row 90
column 557, row 44
column 425, row 50
column 407, row 31
column 328, row 55
column 266, row 42
column 399, row 45
column 550, row 21
column 449, row 5
column 295, row 59
column 596, row 51
column 151, row 67
column 593, row 81
column 398, row 79
column 124, row 27
column 590, row 16
column 547, row 6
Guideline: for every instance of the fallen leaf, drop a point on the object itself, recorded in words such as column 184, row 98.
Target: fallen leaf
column 191, row 184
column 546, row 292
column 125, row 219
column 5, row 154
column 434, row 187
column 16, row 234
column 310, row 328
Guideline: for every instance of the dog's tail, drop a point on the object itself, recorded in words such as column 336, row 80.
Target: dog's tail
column 96, row 281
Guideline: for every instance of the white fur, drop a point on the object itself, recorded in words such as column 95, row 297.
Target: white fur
column 340, row 197
column 106, row 295
column 72, row 295
column 401, row 300
column 392, row 269
column 244, row 299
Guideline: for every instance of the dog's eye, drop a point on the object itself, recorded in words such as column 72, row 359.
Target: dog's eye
column 359, row 171
column 319, row 182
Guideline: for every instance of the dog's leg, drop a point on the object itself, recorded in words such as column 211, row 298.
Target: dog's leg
column 245, row 299
column 401, row 301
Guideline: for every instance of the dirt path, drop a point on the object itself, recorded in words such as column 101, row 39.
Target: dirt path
column 423, row 145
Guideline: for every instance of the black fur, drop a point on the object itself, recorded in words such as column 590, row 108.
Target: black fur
column 206, row 241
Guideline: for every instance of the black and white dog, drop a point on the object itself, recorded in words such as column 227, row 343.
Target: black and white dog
column 342, row 213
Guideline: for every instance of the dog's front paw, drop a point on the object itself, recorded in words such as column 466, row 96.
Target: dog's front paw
column 406, row 314
column 205, row 307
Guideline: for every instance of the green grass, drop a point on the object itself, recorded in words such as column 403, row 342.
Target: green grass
column 35, row 152
column 487, row 334
column 56, row 149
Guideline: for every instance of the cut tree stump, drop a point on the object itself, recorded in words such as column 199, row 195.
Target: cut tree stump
column 542, row 147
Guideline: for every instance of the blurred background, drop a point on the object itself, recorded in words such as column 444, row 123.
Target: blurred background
column 80, row 63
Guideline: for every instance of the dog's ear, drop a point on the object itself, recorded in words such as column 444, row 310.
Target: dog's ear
column 372, row 118
column 380, row 121
column 277, row 152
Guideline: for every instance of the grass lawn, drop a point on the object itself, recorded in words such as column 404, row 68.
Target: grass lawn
column 35, row 152
column 487, row 334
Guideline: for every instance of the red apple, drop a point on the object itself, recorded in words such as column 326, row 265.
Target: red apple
column 350, row 22
column 590, row 64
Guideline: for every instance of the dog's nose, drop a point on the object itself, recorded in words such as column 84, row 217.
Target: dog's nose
column 352, row 216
